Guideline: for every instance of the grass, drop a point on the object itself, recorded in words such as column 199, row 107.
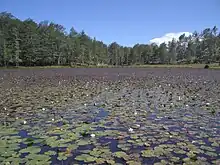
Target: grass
column 211, row 66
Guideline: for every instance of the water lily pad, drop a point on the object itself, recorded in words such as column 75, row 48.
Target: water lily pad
column 50, row 153
column 111, row 162
column 95, row 152
column 215, row 144
column 124, row 147
column 121, row 154
column 192, row 155
column 38, row 157
column 133, row 163
column 212, row 154
column 86, row 158
column 148, row 153
column 207, row 148
column 133, row 136
column 175, row 159
column 61, row 157
column 38, row 162
column 179, row 151
column 32, row 150
column 100, row 161
column 72, row 147
column 83, row 142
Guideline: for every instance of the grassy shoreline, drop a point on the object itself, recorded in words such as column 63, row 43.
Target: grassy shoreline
column 211, row 66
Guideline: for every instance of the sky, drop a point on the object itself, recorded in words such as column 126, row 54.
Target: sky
column 125, row 21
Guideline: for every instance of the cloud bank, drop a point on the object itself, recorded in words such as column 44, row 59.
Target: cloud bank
column 168, row 37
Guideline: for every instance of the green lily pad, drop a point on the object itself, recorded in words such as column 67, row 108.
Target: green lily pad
column 191, row 154
column 133, row 163
column 32, row 150
column 7, row 131
column 83, row 142
column 12, row 160
column 175, row 159
column 124, row 147
column 112, row 162
column 207, row 148
column 86, row 158
column 186, row 160
column 100, row 161
column 72, row 147
column 215, row 144
column 212, row 154
column 148, row 153
column 37, row 156
column 133, row 136
column 162, row 162
column 131, row 141
column 159, row 151
column 179, row 151
column 121, row 154
column 50, row 153
column 38, row 162
column 62, row 157
column 95, row 152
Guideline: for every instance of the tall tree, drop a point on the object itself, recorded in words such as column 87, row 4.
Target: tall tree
column 46, row 43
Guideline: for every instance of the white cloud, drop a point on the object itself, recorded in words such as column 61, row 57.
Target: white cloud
column 168, row 37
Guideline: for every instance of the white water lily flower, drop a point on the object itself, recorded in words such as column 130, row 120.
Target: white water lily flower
column 207, row 103
column 130, row 129
column 171, row 103
column 187, row 105
column 138, row 125
column 92, row 135
column 16, row 118
column 53, row 119
column 179, row 98
column 193, row 141
column 43, row 109
column 85, row 104
column 25, row 122
column 147, row 144
column 7, row 114
column 135, row 113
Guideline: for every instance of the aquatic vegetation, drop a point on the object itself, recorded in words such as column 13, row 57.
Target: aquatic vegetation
column 86, row 158
column 31, row 150
column 121, row 154
column 147, row 119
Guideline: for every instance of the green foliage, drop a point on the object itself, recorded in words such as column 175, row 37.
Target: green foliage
column 86, row 158
column 28, row 43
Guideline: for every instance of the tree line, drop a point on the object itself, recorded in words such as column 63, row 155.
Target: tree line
column 27, row 43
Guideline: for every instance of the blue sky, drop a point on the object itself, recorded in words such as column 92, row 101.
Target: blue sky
column 124, row 21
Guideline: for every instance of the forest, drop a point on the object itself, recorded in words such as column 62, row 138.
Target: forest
column 27, row 43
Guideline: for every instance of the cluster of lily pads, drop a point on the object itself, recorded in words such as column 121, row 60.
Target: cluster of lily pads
column 163, row 117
